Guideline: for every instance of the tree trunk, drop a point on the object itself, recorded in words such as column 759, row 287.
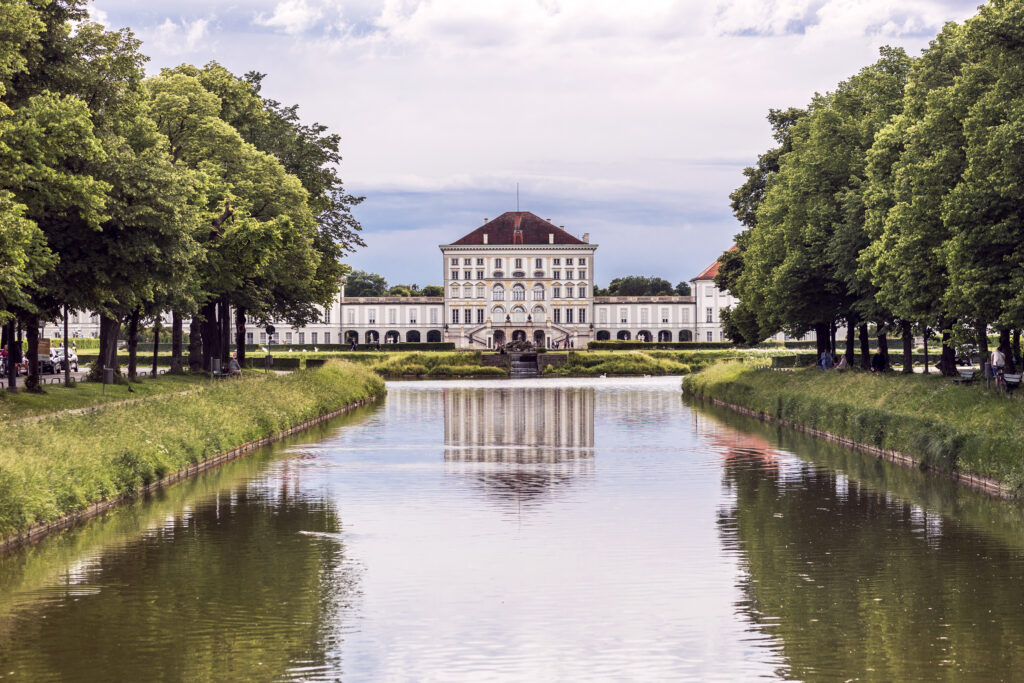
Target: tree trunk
column 12, row 382
column 947, row 362
column 851, row 323
column 240, row 335
column 67, row 351
column 908, row 348
column 156, row 343
column 1004, row 346
column 865, row 348
column 832, row 338
column 109, row 330
column 883, row 347
column 820, row 340
column 925, row 337
column 195, row 345
column 133, row 345
column 225, row 331
column 1016, row 348
column 210, row 332
column 176, row 339
column 983, row 344
column 32, row 382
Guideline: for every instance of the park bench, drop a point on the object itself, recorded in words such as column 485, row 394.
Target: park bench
column 1012, row 381
column 966, row 376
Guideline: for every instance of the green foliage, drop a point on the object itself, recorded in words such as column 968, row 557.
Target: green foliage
column 628, row 345
column 946, row 426
column 639, row 285
column 120, row 448
column 612, row 363
column 361, row 283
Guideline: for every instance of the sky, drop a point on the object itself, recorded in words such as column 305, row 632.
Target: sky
column 631, row 121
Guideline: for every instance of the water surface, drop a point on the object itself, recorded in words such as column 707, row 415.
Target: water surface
column 535, row 530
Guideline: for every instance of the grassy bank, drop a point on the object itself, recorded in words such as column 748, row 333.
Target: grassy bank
column 618, row 363
column 85, row 394
column 65, row 463
column 944, row 426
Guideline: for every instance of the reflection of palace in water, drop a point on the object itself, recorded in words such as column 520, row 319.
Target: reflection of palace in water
column 519, row 446
column 522, row 425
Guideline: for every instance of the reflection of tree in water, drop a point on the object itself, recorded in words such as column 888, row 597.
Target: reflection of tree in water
column 246, row 585
column 520, row 445
column 854, row 584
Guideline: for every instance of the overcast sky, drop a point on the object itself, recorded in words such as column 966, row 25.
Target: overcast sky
column 628, row 120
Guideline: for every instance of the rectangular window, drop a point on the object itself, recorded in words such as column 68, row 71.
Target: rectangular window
column 455, row 316
column 538, row 263
column 467, row 275
column 583, row 315
column 313, row 336
column 568, row 261
column 479, row 315
column 556, row 292
column 327, row 337
column 455, row 275
column 582, row 261
column 643, row 316
column 568, row 292
column 351, row 316
column 327, row 316
column 371, row 316
column 556, row 275
column 248, row 337
column 664, row 315
column 433, row 316
column 287, row 337
column 624, row 315
column 519, row 263
column 711, row 336
column 479, row 275
column 568, row 315
column 602, row 316
column 558, row 315
column 479, row 261
column 467, row 261
column 497, row 263
column 455, row 261
column 413, row 314
column 302, row 337
column 583, row 292
column 263, row 337
column 392, row 316
column 686, row 315
column 556, row 262
column 568, row 275
column 467, row 316
column 709, row 315
column 583, row 275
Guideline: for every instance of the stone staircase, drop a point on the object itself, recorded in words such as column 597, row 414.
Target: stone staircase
column 524, row 365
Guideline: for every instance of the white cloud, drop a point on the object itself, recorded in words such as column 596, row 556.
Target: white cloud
column 645, row 111
column 181, row 37
column 292, row 16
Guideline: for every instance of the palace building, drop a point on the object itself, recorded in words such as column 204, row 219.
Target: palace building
column 517, row 276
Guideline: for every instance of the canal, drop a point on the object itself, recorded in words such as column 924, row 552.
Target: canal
column 536, row 530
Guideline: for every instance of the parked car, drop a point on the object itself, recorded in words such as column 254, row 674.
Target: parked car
column 57, row 357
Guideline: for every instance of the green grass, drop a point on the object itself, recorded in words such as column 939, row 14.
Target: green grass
column 618, row 363
column 64, row 463
column 85, row 394
column 945, row 426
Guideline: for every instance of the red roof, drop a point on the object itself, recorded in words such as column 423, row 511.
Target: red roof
column 535, row 231
column 711, row 271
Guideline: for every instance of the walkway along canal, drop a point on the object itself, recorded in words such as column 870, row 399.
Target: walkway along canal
column 531, row 530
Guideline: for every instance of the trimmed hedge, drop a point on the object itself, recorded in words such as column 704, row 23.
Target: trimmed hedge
column 620, row 345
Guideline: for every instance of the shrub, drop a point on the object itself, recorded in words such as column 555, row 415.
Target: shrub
column 620, row 345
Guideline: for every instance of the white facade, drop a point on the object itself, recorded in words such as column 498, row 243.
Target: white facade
column 497, row 290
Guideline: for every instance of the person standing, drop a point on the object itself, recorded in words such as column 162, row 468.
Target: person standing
column 998, row 362
column 826, row 360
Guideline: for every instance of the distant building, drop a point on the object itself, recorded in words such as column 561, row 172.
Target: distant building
column 515, row 277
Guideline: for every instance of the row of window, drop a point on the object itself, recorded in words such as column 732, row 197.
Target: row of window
column 518, row 262
column 518, row 314
column 314, row 338
column 645, row 316
column 518, row 292
column 555, row 275
column 412, row 315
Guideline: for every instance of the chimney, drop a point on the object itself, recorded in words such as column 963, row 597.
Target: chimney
column 586, row 237
column 551, row 238
column 485, row 220
column 485, row 238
